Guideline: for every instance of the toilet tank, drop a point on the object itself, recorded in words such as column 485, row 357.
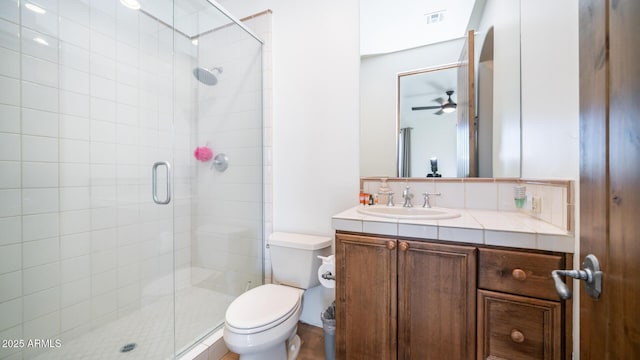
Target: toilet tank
column 294, row 258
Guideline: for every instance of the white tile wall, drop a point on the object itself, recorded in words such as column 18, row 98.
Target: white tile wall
column 11, row 284
column 10, row 176
column 9, row 91
column 11, row 230
column 488, row 195
column 75, row 88
column 41, row 226
column 10, row 258
column 10, row 119
column 233, row 126
column 10, row 203
column 82, row 243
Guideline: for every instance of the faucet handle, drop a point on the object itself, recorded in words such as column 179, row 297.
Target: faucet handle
column 390, row 201
column 427, row 198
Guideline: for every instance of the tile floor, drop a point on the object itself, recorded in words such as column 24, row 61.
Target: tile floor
column 151, row 328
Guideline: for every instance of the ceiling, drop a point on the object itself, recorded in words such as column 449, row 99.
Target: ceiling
column 393, row 25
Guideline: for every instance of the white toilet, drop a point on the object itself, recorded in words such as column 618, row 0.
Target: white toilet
column 262, row 322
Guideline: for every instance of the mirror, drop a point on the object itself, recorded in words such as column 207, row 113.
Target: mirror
column 497, row 75
column 426, row 132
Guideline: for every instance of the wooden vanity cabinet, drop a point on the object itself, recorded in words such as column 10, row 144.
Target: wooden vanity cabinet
column 517, row 327
column 520, row 315
column 405, row 299
column 436, row 301
column 402, row 299
column 366, row 306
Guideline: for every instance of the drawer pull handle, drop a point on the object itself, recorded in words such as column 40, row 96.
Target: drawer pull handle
column 519, row 274
column 391, row 245
column 517, row 336
column 404, row 246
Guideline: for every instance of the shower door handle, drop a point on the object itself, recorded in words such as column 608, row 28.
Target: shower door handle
column 154, row 182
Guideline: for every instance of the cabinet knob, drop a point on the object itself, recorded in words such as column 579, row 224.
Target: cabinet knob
column 517, row 336
column 519, row 274
column 404, row 246
column 391, row 245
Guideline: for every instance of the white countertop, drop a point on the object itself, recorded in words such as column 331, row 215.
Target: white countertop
column 500, row 228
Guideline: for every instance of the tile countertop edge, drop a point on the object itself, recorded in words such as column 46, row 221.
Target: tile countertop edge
column 488, row 227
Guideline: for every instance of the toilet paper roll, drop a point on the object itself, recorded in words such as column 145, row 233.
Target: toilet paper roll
column 323, row 269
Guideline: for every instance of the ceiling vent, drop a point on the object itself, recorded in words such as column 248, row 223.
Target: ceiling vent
column 434, row 17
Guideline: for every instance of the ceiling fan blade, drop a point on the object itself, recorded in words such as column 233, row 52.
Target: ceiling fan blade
column 426, row 107
column 440, row 100
column 439, row 112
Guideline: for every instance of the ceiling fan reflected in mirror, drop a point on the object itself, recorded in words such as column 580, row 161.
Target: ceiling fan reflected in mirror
column 447, row 106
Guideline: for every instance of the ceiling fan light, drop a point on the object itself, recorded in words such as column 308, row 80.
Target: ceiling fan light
column 449, row 108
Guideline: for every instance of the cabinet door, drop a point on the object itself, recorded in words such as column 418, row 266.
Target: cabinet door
column 436, row 301
column 518, row 328
column 365, row 297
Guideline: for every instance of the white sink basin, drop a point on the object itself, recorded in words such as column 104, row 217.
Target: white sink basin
column 399, row 212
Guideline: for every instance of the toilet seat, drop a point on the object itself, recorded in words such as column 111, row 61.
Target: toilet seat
column 262, row 308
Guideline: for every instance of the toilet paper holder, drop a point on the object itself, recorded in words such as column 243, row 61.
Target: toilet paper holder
column 328, row 276
column 331, row 259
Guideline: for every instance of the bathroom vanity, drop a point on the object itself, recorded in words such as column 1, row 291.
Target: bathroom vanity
column 473, row 287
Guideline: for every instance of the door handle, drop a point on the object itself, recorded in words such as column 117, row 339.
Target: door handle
column 591, row 275
column 154, row 182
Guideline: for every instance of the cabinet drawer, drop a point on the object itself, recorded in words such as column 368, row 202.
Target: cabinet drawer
column 519, row 273
column 516, row 327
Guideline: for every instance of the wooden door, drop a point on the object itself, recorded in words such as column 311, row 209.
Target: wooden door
column 610, row 175
column 366, row 310
column 436, row 301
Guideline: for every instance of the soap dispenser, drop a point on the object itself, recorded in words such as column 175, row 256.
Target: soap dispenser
column 383, row 191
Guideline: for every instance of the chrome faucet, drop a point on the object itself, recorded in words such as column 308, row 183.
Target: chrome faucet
column 390, row 202
column 407, row 197
column 427, row 198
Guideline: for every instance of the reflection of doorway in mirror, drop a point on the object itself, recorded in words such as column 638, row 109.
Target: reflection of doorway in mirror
column 434, row 131
column 485, row 107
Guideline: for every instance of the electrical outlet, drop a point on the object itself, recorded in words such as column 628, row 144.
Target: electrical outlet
column 536, row 204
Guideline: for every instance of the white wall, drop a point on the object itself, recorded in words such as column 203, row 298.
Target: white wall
column 550, row 89
column 503, row 15
column 315, row 109
column 550, row 104
column 315, row 113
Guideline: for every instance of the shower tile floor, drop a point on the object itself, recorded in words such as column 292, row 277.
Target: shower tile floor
column 198, row 311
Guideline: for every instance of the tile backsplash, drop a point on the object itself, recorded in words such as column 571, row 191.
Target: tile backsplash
column 553, row 199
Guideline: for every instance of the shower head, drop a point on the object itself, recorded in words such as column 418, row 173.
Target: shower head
column 206, row 76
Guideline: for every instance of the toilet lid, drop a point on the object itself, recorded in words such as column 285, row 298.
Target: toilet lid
column 262, row 306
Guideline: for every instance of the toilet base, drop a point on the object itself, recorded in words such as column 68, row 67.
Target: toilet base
column 293, row 347
column 287, row 350
column 278, row 352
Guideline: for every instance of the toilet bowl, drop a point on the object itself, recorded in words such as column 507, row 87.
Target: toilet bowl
column 262, row 322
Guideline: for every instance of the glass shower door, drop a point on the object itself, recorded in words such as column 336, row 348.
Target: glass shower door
column 218, row 199
column 86, row 109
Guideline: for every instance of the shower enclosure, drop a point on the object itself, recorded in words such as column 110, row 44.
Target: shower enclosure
column 116, row 238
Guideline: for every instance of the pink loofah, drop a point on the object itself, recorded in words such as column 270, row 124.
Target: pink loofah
column 203, row 153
